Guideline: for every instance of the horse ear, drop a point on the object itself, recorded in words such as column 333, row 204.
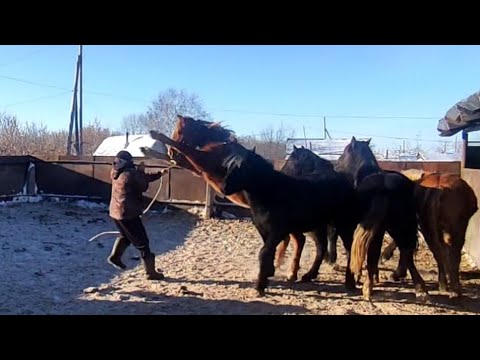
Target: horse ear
column 181, row 119
column 254, row 149
column 353, row 142
column 368, row 141
column 303, row 147
column 294, row 147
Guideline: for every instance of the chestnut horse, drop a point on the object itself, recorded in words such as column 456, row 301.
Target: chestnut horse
column 200, row 134
column 445, row 204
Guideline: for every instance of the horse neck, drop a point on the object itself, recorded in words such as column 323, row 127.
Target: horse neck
column 261, row 181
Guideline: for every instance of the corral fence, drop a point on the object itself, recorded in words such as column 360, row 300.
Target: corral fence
column 88, row 177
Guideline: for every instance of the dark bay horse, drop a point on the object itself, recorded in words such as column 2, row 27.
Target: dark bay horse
column 200, row 134
column 303, row 163
column 283, row 204
column 386, row 202
column 280, row 204
column 445, row 204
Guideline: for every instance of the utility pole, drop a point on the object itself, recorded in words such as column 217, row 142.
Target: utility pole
column 305, row 136
column 76, row 112
column 325, row 131
column 80, row 61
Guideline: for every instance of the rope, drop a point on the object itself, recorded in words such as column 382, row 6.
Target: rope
column 173, row 163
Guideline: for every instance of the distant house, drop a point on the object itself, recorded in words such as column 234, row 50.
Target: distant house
column 329, row 149
column 131, row 143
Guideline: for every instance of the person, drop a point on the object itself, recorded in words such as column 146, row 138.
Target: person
column 126, row 206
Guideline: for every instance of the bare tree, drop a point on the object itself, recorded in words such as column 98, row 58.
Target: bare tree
column 135, row 124
column 162, row 114
column 32, row 139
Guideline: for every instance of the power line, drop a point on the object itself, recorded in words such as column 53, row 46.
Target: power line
column 37, row 99
column 241, row 111
column 33, row 83
column 41, row 84
column 327, row 116
column 25, row 56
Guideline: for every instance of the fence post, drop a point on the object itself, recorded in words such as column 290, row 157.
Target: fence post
column 209, row 201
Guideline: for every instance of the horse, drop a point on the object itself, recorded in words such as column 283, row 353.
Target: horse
column 386, row 203
column 200, row 133
column 445, row 204
column 303, row 163
column 283, row 204
column 280, row 204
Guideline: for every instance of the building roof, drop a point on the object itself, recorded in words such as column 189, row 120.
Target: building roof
column 464, row 115
column 113, row 144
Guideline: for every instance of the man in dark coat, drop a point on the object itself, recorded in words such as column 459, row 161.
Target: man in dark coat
column 126, row 206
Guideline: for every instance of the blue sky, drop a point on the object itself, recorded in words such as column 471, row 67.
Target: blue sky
column 247, row 87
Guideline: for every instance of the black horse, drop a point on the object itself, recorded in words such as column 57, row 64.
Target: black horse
column 386, row 202
column 304, row 164
column 282, row 205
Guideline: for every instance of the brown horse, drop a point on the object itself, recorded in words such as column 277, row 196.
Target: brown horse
column 204, row 135
column 445, row 204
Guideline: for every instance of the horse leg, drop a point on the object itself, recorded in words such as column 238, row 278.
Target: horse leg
column 346, row 233
column 454, row 255
column 433, row 238
column 281, row 250
column 401, row 270
column 297, row 253
column 389, row 250
column 266, row 259
column 373, row 257
column 321, row 244
column 332, row 245
column 420, row 289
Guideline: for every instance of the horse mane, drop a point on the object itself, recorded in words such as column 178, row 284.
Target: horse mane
column 210, row 131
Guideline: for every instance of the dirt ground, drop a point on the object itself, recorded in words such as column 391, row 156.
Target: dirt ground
column 49, row 267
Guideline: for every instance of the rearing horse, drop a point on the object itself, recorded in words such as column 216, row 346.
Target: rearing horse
column 202, row 135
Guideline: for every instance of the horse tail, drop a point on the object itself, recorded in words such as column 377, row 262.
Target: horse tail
column 366, row 231
column 332, row 245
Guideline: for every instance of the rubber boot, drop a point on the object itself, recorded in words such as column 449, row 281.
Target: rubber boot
column 148, row 261
column 119, row 247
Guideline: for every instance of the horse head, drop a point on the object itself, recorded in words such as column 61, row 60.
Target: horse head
column 357, row 157
column 196, row 134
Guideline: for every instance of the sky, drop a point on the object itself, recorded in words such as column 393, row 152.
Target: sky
column 379, row 91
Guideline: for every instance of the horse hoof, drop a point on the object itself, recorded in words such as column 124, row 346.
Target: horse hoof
column 455, row 295
column 292, row 278
column 306, row 278
column 396, row 277
column 350, row 287
column 260, row 293
column 442, row 287
column 422, row 297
